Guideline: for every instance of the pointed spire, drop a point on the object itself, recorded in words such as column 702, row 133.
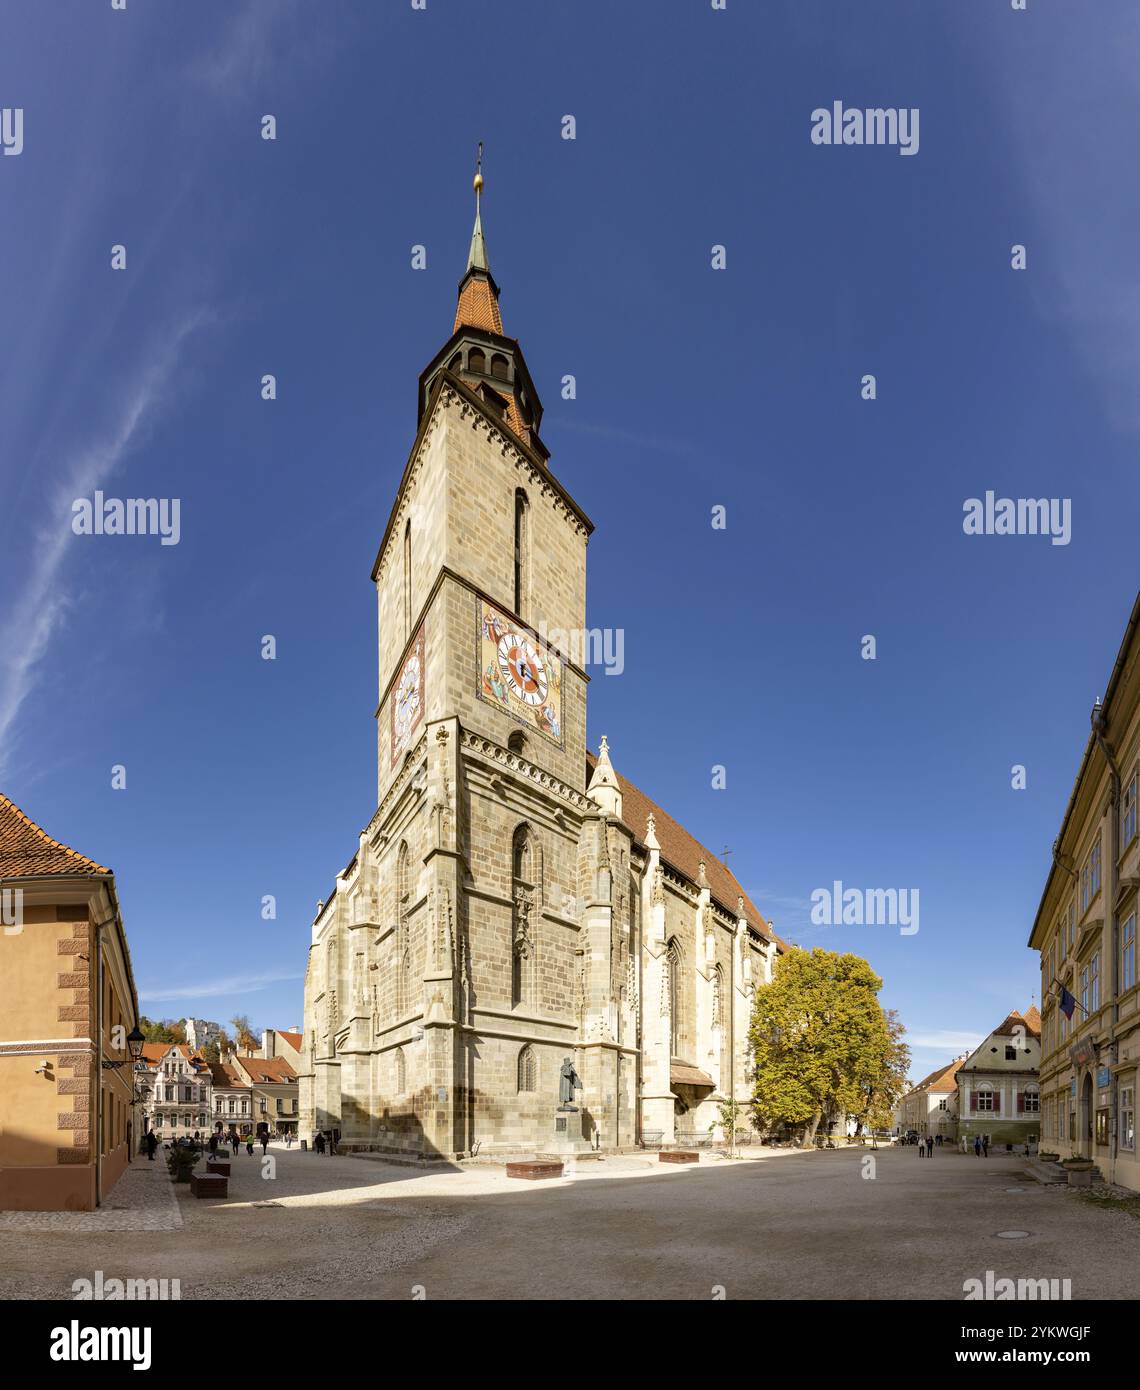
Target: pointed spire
column 478, row 294
column 605, row 789
column 477, row 256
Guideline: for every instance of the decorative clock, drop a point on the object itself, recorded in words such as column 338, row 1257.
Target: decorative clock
column 407, row 701
column 518, row 674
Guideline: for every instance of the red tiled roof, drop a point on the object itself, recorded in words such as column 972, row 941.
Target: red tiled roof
column 943, row 1078
column 154, row 1052
column 268, row 1070
column 293, row 1039
column 224, row 1075
column 27, row 851
column 1029, row 1022
column 684, row 853
column 478, row 306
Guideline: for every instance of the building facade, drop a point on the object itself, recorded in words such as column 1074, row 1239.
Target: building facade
column 175, row 1088
column 67, row 1003
column 271, row 1085
column 999, row 1093
column 1085, row 932
column 931, row 1107
column 515, row 911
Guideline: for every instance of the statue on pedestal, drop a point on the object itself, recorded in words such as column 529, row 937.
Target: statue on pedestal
column 568, row 1082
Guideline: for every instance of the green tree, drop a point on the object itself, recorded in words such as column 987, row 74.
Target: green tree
column 819, row 1039
column 884, row 1093
column 158, row 1030
column 247, row 1039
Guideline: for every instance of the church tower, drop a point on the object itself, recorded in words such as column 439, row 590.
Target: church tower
column 451, row 967
column 517, row 918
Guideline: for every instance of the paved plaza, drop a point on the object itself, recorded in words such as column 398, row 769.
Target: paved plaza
column 779, row 1224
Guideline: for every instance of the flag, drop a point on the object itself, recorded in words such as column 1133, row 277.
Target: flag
column 1068, row 1003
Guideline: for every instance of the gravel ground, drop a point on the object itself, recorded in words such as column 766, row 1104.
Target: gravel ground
column 776, row 1225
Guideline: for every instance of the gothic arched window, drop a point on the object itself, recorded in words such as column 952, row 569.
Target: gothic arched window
column 522, row 547
column 403, row 905
column 523, row 941
column 408, row 579
column 673, row 970
column 528, row 1070
column 401, row 1063
column 717, row 996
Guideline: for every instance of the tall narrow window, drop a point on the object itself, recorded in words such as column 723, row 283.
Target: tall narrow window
column 527, row 1069
column 522, row 578
column 407, row 579
column 673, row 970
column 403, row 944
column 523, row 944
column 1128, row 953
column 401, row 1072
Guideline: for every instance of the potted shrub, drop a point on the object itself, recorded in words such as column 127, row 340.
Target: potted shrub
column 1079, row 1170
column 180, row 1162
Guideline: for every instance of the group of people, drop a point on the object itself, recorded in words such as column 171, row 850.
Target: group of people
column 926, row 1144
column 981, row 1145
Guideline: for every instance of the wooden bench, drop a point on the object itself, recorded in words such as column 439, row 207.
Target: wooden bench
column 215, row 1165
column 678, row 1156
column 209, row 1185
column 534, row 1170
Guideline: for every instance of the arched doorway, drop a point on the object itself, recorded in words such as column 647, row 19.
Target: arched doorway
column 1085, row 1137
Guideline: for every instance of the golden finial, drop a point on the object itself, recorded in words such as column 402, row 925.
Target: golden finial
column 479, row 171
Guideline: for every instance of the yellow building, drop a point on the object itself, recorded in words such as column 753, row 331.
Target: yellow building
column 67, row 1009
column 1085, row 930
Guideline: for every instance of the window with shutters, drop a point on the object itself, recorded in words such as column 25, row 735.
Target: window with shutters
column 1031, row 1101
column 1127, row 1102
column 1128, row 814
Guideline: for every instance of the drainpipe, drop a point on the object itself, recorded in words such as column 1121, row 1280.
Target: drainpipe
column 1099, row 724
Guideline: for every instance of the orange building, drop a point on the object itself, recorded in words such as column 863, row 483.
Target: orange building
column 68, row 1010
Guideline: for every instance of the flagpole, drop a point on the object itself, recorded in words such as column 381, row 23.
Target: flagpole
column 1076, row 1002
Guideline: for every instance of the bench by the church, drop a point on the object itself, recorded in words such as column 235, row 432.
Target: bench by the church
column 678, row 1156
column 533, row 1170
column 209, row 1185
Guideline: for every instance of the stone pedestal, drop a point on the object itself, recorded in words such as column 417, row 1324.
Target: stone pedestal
column 567, row 1139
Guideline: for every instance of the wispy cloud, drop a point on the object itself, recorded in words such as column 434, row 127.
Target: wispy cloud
column 37, row 611
column 212, row 989
column 944, row 1040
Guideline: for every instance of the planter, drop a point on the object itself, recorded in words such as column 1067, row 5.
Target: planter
column 1080, row 1177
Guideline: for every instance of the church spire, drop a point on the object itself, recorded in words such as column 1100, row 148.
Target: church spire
column 478, row 305
column 477, row 256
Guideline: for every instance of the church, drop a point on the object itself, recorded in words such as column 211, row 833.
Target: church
column 525, row 954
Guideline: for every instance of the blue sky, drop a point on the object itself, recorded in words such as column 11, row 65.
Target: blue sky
column 695, row 388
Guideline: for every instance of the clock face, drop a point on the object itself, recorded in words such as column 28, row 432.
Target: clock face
column 407, row 705
column 517, row 673
column 522, row 669
column 408, row 697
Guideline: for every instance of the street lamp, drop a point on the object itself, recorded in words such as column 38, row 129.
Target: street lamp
column 135, row 1041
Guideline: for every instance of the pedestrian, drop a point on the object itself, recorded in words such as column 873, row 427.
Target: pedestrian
column 249, row 1144
column 197, row 1138
column 151, row 1144
column 264, row 1141
column 288, row 1138
column 977, row 1146
column 319, row 1142
column 213, row 1146
column 930, row 1146
column 335, row 1141
column 985, row 1146
column 921, row 1147
column 235, row 1142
